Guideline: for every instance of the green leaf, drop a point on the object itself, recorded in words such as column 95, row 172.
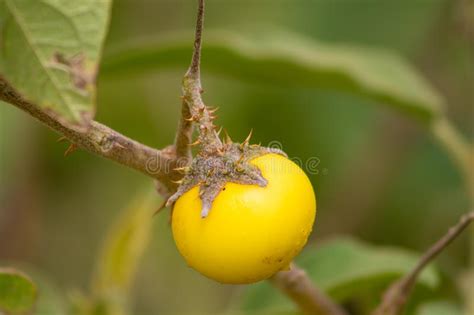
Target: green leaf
column 289, row 60
column 123, row 247
column 50, row 51
column 345, row 269
column 17, row 291
column 439, row 308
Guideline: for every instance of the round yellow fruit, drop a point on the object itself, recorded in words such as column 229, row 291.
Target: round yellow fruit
column 251, row 232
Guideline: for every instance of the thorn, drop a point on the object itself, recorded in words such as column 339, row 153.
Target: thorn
column 201, row 109
column 221, row 151
column 212, row 110
column 161, row 207
column 241, row 158
column 247, row 140
column 61, row 139
column 191, row 119
column 219, row 131
column 228, row 140
column 213, row 117
column 72, row 147
column 195, row 143
column 179, row 182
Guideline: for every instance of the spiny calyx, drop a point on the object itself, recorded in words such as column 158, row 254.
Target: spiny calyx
column 212, row 170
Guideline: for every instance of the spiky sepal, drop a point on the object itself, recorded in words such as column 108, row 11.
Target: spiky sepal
column 231, row 163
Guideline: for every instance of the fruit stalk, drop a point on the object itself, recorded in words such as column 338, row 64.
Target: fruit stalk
column 298, row 286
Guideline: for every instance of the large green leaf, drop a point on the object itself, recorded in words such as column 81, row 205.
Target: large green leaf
column 50, row 51
column 17, row 291
column 121, row 252
column 345, row 269
column 440, row 308
column 289, row 60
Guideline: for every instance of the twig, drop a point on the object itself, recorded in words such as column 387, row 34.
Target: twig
column 186, row 126
column 103, row 141
column 296, row 284
column 397, row 294
column 193, row 104
column 195, row 67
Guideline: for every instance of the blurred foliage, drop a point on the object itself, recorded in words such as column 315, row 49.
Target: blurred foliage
column 439, row 308
column 380, row 177
column 17, row 292
column 123, row 249
column 349, row 271
column 286, row 60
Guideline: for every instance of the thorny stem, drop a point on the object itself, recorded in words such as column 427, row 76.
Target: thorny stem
column 186, row 126
column 103, row 141
column 195, row 67
column 397, row 295
column 200, row 114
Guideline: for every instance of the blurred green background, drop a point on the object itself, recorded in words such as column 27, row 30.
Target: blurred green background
column 381, row 177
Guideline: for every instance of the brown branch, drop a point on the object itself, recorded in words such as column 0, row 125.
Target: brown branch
column 397, row 294
column 296, row 284
column 103, row 141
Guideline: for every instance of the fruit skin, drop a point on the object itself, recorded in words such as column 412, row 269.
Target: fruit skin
column 251, row 232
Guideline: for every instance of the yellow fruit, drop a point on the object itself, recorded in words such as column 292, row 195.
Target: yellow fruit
column 251, row 232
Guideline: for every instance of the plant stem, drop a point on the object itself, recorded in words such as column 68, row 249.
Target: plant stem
column 103, row 141
column 462, row 153
column 397, row 294
column 186, row 126
column 200, row 114
column 296, row 284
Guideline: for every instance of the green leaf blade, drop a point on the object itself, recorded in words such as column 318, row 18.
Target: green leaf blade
column 122, row 250
column 51, row 51
column 289, row 60
column 17, row 292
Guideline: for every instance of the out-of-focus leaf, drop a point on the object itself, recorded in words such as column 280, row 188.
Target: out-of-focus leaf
column 440, row 308
column 17, row 292
column 50, row 51
column 123, row 247
column 51, row 301
column 345, row 269
column 289, row 60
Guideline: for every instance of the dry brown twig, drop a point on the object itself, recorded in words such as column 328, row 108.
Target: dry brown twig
column 397, row 294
